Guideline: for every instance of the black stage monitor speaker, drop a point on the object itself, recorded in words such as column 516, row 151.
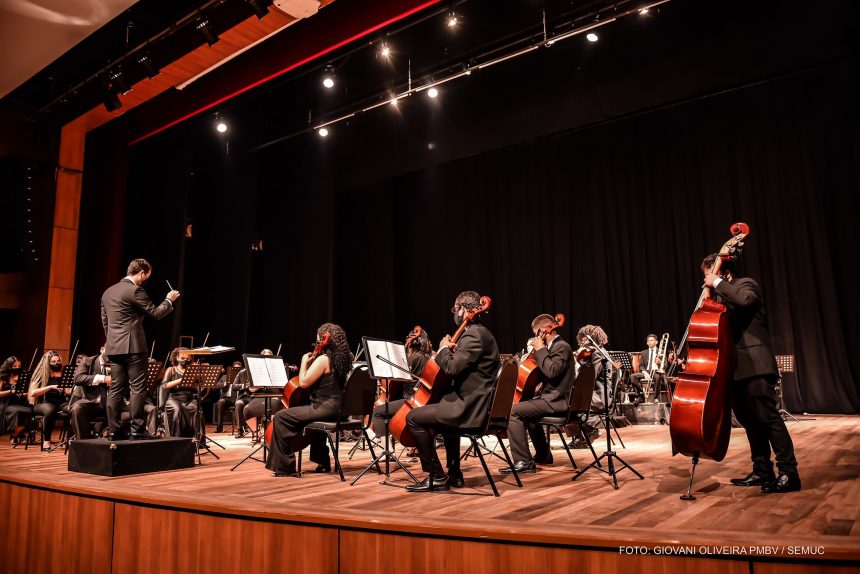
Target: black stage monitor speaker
column 119, row 458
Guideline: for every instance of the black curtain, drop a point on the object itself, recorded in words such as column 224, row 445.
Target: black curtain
column 608, row 225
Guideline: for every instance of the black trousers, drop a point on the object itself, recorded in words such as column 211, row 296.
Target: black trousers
column 423, row 424
column 127, row 372
column 17, row 416
column 524, row 417
column 83, row 414
column 49, row 411
column 257, row 408
column 754, row 404
column 180, row 416
column 378, row 422
column 636, row 379
column 290, row 423
column 220, row 408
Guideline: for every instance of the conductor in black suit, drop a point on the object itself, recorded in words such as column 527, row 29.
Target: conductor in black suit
column 756, row 374
column 124, row 307
column 473, row 367
column 554, row 358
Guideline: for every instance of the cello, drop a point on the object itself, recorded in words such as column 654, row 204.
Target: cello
column 434, row 383
column 528, row 371
column 296, row 395
column 700, row 424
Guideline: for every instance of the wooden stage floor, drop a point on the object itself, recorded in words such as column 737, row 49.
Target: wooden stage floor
column 824, row 517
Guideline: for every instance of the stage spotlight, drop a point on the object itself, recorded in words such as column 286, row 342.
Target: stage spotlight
column 432, row 92
column 259, row 9
column 643, row 11
column 385, row 51
column 146, row 62
column 591, row 37
column 323, row 132
column 328, row 78
column 221, row 127
column 394, row 102
column 118, row 83
column 452, row 20
column 111, row 100
column 203, row 27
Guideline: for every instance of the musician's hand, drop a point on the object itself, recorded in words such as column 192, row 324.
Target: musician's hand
column 54, row 387
column 617, row 364
column 107, row 380
column 173, row 295
column 306, row 357
column 709, row 280
column 445, row 342
column 537, row 343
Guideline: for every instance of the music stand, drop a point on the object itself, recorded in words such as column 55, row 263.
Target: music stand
column 624, row 358
column 154, row 374
column 67, row 381
column 201, row 377
column 610, row 455
column 269, row 372
column 785, row 365
column 386, row 360
column 23, row 384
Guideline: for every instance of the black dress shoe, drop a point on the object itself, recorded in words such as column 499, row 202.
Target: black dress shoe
column 456, row 480
column 142, row 436
column 439, row 483
column 219, row 429
column 783, row 483
column 521, row 466
column 323, row 468
column 753, row 479
column 282, row 474
column 547, row 460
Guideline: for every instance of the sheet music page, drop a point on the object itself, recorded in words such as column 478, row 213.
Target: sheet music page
column 259, row 372
column 277, row 372
column 397, row 355
column 380, row 369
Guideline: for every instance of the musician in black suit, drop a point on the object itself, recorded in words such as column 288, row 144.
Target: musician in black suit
column 554, row 358
column 473, row 367
column 753, row 393
column 648, row 362
column 89, row 399
column 123, row 307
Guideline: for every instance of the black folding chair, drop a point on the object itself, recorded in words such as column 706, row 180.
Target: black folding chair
column 356, row 407
column 496, row 420
column 579, row 405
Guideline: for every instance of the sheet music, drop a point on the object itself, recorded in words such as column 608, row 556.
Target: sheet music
column 277, row 372
column 259, row 372
column 394, row 352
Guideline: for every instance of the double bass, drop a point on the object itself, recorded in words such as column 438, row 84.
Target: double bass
column 294, row 394
column 434, row 383
column 701, row 407
column 528, row 371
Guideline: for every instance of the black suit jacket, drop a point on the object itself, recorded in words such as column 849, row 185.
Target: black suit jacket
column 473, row 367
column 557, row 372
column 83, row 378
column 124, row 307
column 643, row 359
column 750, row 331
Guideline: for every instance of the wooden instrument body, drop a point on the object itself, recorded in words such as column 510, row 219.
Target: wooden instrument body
column 432, row 387
column 701, row 405
column 527, row 379
column 293, row 396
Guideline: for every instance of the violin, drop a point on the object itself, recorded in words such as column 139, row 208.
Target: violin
column 701, row 406
column 433, row 382
column 528, row 371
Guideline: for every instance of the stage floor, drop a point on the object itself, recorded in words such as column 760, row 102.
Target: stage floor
column 550, row 509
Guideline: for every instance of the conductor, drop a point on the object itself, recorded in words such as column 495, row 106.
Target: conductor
column 124, row 306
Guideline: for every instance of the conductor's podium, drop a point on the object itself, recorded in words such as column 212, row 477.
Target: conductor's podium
column 124, row 457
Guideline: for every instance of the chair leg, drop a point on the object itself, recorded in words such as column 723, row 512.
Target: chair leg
column 508, row 460
column 484, row 464
column 560, row 432
column 333, row 446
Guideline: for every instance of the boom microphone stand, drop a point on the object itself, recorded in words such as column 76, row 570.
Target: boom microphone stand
column 609, row 454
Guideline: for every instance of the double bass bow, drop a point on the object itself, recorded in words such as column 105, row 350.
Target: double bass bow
column 434, row 383
column 701, row 407
column 528, row 371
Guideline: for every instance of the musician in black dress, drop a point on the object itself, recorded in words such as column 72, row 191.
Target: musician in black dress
column 473, row 367
column 554, row 358
column 181, row 405
column 753, row 391
column 417, row 354
column 15, row 411
column 46, row 397
column 327, row 374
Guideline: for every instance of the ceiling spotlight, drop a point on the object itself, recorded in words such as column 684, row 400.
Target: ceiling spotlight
column 259, row 9
column 323, row 132
column 385, row 51
column 118, row 83
column 452, row 20
column 203, row 27
column 328, row 77
column 394, row 102
column 221, row 127
column 111, row 100
column 146, row 62
column 643, row 11
column 432, row 92
column 591, row 37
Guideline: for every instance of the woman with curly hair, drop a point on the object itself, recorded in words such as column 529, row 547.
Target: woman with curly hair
column 327, row 374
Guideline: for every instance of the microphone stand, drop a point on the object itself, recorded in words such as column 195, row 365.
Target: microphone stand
column 610, row 455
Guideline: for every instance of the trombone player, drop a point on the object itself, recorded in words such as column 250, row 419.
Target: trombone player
column 651, row 371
